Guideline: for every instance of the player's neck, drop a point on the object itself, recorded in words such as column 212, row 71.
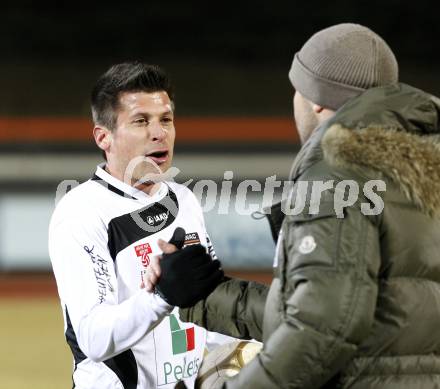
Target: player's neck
column 150, row 188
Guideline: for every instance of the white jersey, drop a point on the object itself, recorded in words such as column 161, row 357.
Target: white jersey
column 101, row 238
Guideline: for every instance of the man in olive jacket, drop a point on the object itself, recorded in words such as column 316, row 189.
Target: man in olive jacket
column 355, row 300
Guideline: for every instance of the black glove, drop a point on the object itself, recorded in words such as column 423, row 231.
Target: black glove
column 188, row 275
column 178, row 238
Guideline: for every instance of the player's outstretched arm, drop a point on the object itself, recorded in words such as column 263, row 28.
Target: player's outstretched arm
column 188, row 275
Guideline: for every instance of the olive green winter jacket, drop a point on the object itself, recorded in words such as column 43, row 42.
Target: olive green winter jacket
column 355, row 300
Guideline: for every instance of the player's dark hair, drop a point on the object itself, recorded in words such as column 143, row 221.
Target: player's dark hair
column 125, row 77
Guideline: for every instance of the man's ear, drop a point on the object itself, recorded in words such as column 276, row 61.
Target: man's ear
column 322, row 113
column 317, row 108
column 103, row 137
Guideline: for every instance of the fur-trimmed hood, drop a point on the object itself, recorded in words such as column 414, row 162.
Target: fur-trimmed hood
column 410, row 160
column 394, row 130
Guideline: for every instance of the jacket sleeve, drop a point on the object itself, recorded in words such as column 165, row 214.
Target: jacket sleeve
column 234, row 308
column 329, row 270
column 88, row 289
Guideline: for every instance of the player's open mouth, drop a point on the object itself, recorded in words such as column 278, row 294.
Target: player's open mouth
column 158, row 156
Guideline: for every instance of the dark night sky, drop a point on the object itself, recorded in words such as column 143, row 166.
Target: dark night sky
column 245, row 32
column 209, row 49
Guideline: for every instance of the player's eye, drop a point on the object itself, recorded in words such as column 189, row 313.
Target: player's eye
column 167, row 119
column 140, row 121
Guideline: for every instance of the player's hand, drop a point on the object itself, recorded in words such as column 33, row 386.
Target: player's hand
column 153, row 272
column 167, row 247
column 187, row 276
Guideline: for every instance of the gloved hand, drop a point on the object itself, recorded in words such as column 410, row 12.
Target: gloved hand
column 188, row 275
column 178, row 238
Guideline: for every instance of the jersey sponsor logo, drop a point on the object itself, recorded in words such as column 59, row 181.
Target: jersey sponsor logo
column 186, row 369
column 192, row 238
column 155, row 219
column 182, row 339
column 142, row 251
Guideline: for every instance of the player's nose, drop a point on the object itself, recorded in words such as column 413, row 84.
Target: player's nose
column 157, row 132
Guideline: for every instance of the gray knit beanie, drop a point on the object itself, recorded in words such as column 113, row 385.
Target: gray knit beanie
column 341, row 62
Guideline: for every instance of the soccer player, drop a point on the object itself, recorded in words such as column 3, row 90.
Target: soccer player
column 104, row 232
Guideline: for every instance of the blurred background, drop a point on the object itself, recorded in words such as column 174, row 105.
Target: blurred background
column 229, row 65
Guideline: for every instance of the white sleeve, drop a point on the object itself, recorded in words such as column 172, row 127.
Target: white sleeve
column 210, row 247
column 198, row 213
column 88, row 288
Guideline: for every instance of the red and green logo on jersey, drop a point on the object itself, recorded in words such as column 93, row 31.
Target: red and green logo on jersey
column 182, row 339
column 142, row 251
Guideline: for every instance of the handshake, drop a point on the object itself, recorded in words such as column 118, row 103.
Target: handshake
column 182, row 277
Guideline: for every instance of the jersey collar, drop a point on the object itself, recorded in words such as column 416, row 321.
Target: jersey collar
column 126, row 190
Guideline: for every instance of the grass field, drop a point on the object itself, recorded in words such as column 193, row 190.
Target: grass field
column 34, row 354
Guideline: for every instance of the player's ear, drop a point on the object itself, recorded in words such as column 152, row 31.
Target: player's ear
column 103, row 137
